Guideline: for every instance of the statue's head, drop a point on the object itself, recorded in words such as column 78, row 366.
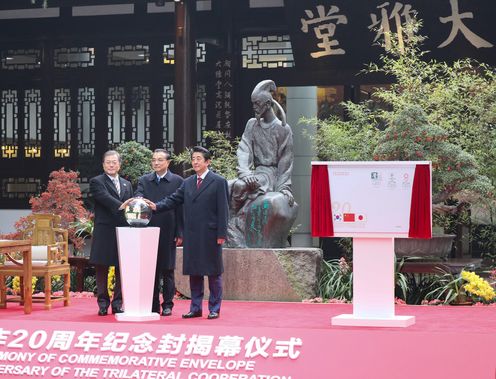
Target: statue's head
column 261, row 98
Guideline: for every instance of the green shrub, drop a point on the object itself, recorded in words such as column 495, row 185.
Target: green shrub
column 336, row 280
column 223, row 149
column 136, row 160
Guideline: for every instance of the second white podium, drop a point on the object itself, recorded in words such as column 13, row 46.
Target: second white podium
column 137, row 261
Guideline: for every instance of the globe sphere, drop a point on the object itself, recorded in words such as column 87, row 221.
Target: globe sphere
column 138, row 213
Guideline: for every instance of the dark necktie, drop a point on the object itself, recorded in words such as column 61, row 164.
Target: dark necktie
column 199, row 182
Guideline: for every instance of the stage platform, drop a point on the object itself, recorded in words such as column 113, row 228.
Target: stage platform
column 251, row 340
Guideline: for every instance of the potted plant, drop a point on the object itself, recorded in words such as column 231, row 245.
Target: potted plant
column 465, row 288
column 136, row 160
column 336, row 280
column 62, row 197
column 84, row 229
column 478, row 289
column 410, row 137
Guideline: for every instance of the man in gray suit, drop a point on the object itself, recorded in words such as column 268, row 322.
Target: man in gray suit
column 111, row 194
column 204, row 197
column 155, row 186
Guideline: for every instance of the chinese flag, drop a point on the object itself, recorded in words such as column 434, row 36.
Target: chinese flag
column 348, row 217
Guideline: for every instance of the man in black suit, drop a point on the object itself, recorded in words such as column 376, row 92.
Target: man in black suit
column 111, row 194
column 155, row 186
column 205, row 200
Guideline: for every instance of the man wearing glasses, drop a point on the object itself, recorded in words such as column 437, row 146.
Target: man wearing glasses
column 155, row 186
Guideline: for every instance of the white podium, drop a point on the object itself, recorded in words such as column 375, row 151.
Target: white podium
column 137, row 261
column 373, row 286
column 372, row 202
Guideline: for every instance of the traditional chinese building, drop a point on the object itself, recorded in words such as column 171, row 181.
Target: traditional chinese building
column 80, row 76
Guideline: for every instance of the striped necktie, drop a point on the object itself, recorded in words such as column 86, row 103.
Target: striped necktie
column 117, row 185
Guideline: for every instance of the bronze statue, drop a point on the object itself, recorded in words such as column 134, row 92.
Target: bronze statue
column 262, row 204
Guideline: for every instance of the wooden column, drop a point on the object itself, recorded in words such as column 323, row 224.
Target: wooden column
column 185, row 77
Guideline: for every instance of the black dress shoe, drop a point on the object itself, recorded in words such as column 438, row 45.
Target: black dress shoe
column 166, row 312
column 213, row 315
column 102, row 312
column 117, row 310
column 192, row 314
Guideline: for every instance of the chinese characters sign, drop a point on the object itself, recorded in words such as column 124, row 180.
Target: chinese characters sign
column 457, row 26
column 80, row 350
column 340, row 33
column 324, row 27
column 223, row 95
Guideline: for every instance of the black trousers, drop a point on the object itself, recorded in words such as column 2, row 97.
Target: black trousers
column 168, row 289
column 103, row 298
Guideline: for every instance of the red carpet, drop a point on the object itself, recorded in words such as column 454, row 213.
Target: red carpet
column 446, row 342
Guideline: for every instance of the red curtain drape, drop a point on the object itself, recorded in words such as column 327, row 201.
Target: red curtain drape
column 320, row 203
column 420, row 209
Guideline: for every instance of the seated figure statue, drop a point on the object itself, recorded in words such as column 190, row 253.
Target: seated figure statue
column 261, row 202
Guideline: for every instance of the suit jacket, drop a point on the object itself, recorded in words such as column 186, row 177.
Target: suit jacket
column 169, row 222
column 206, row 214
column 107, row 218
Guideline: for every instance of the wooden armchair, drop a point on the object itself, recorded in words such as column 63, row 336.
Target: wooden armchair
column 50, row 256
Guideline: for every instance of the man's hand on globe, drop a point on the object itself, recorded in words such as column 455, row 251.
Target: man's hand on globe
column 124, row 204
column 151, row 204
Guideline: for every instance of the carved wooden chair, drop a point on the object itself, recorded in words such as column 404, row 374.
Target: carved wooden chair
column 50, row 256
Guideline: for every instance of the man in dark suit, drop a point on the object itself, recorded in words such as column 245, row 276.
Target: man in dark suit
column 205, row 201
column 111, row 194
column 155, row 186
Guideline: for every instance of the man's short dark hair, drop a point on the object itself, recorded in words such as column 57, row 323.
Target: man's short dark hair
column 167, row 154
column 200, row 149
column 111, row 152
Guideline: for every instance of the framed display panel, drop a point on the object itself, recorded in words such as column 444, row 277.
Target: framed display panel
column 372, row 199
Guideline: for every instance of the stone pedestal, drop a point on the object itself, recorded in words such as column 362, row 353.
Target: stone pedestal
column 289, row 274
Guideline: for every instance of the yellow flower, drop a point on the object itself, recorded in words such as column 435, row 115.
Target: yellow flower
column 34, row 280
column 477, row 286
column 16, row 284
column 111, row 280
